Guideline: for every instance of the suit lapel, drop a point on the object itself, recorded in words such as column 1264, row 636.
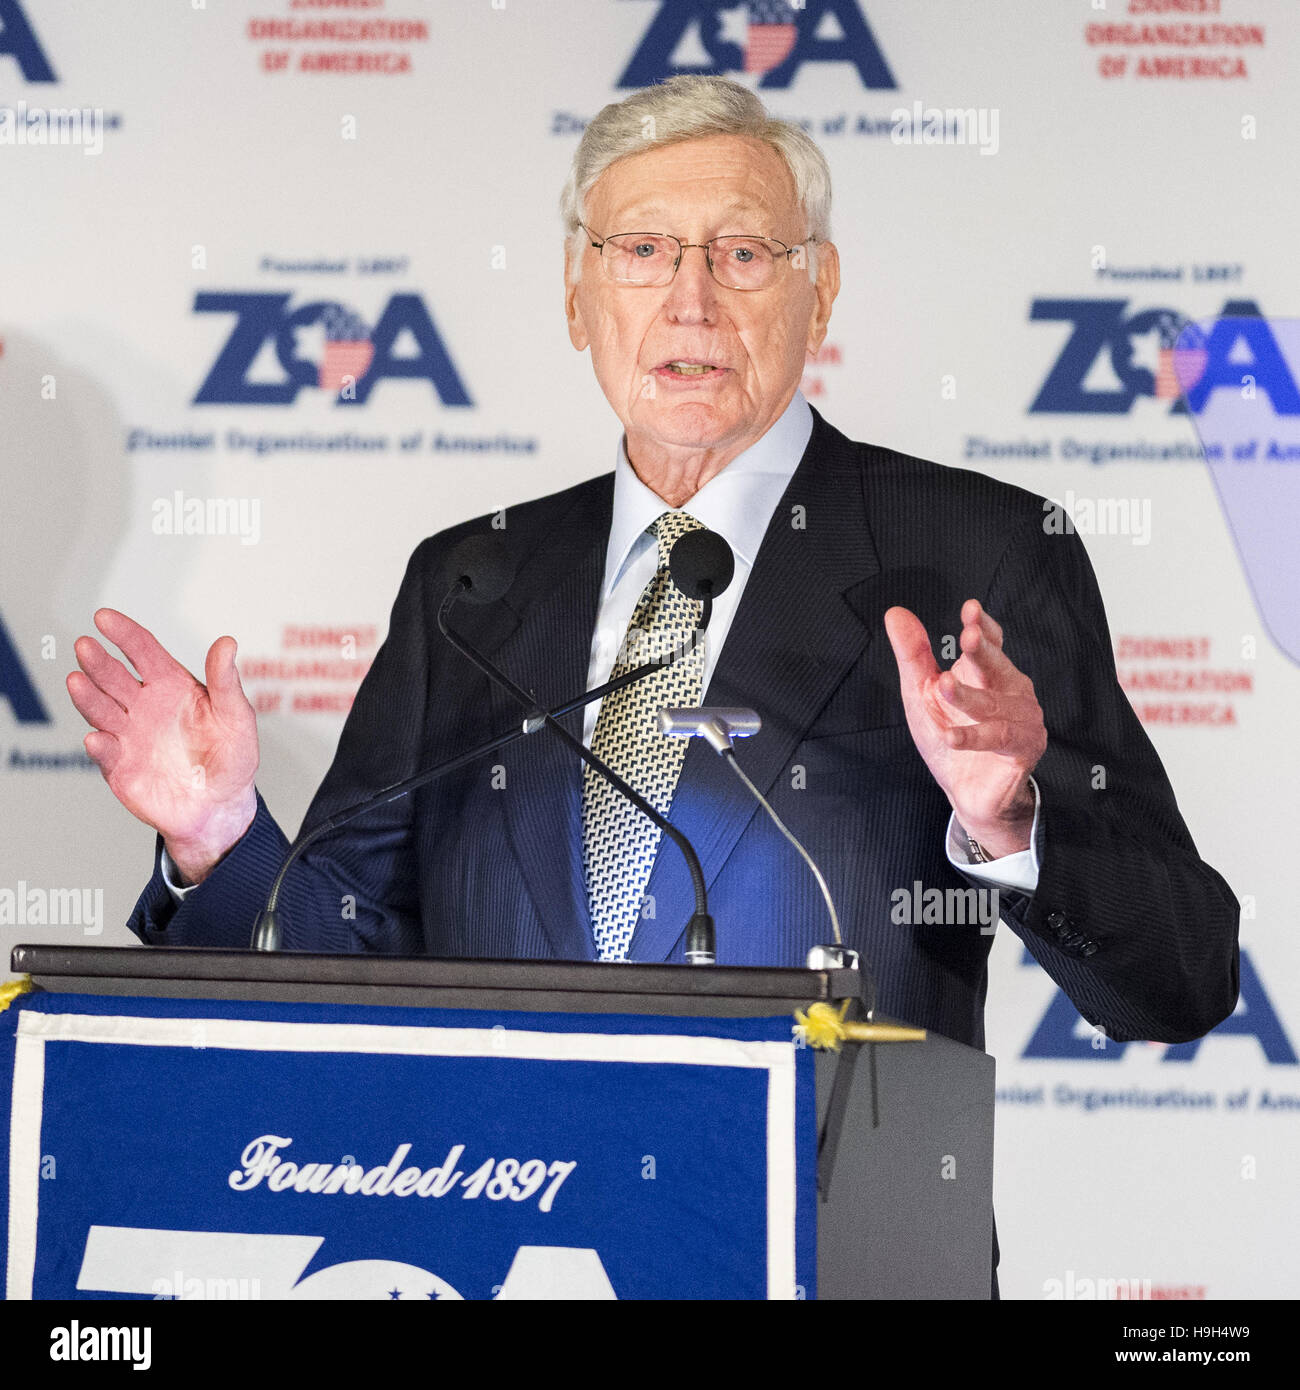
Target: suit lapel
column 550, row 614
column 791, row 643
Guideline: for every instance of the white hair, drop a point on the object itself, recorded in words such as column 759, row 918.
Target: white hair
column 692, row 108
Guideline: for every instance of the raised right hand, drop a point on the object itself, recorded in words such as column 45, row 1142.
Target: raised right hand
column 179, row 755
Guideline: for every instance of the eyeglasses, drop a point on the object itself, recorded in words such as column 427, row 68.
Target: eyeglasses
column 649, row 259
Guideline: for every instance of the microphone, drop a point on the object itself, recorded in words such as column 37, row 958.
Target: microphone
column 479, row 569
column 701, row 564
column 708, row 569
column 719, row 726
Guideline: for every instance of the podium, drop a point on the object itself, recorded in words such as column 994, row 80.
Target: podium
column 894, row 1139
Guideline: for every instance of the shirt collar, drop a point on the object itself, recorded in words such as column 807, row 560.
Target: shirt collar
column 738, row 502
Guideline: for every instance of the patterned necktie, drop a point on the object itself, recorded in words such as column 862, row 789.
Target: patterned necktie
column 619, row 843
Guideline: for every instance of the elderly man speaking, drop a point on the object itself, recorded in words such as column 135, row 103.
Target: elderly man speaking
column 700, row 276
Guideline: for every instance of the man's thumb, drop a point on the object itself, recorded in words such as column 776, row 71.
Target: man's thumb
column 912, row 650
column 224, row 687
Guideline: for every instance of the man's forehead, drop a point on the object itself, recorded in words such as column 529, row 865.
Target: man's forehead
column 660, row 207
column 715, row 174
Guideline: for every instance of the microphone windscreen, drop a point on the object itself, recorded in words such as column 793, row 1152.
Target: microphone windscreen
column 482, row 563
column 702, row 564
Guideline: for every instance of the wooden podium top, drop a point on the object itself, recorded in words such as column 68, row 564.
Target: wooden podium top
column 420, row 981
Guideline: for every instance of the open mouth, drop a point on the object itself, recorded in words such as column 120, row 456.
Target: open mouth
column 687, row 368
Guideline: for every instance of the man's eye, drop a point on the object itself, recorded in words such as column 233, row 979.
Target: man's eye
column 743, row 254
column 644, row 249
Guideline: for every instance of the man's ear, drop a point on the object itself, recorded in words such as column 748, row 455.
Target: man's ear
column 578, row 334
column 826, row 288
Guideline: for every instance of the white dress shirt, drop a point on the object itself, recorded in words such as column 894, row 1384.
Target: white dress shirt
column 738, row 504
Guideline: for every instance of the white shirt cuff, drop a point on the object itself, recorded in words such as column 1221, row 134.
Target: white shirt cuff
column 1017, row 871
column 170, row 873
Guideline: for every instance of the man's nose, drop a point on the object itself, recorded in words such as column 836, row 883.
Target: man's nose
column 693, row 294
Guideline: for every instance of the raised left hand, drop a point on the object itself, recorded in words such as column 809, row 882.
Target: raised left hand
column 978, row 726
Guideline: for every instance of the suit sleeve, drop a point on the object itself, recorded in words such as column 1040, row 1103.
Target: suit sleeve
column 356, row 889
column 1130, row 922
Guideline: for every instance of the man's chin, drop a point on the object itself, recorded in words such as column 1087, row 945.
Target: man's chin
column 687, row 424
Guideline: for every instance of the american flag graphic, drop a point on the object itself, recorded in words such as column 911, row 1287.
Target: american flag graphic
column 344, row 362
column 1166, row 378
column 1182, row 365
column 771, row 34
column 348, row 350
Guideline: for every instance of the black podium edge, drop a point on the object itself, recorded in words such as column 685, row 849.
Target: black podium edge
column 549, row 986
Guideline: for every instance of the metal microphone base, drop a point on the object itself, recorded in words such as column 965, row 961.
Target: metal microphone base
column 701, row 941
column 266, row 932
column 833, row 958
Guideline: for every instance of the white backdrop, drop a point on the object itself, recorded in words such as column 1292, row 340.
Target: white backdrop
column 397, row 164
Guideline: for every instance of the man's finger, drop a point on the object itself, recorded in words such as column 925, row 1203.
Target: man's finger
column 972, row 614
column 100, row 711
column 912, row 650
column 982, row 703
column 144, row 651
column 104, row 750
column 106, row 671
column 1011, row 738
column 989, row 660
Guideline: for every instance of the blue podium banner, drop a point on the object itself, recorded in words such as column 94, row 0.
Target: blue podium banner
column 197, row 1149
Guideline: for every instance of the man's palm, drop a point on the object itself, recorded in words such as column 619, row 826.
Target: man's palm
column 978, row 726
column 179, row 755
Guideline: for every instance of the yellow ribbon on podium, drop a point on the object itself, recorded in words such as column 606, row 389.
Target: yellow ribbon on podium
column 826, row 1028
column 11, row 989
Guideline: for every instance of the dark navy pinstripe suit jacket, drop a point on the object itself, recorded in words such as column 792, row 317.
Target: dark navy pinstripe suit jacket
column 1127, row 919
